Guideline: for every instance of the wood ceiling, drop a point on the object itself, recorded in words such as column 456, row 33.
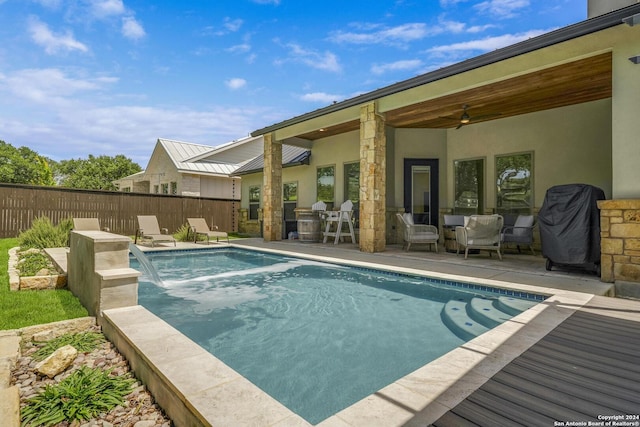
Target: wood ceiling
column 576, row 82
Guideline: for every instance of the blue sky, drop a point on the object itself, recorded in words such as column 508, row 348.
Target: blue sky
column 80, row 77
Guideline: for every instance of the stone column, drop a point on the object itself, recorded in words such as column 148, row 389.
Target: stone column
column 620, row 243
column 372, row 179
column 272, row 189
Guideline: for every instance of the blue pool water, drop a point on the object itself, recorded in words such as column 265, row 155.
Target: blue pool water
column 317, row 337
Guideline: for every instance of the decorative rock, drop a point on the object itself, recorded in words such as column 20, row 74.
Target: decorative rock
column 44, row 336
column 58, row 361
column 145, row 423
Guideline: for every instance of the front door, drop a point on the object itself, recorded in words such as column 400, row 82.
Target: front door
column 421, row 190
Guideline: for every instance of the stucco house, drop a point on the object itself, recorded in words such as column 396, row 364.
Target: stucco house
column 489, row 134
column 187, row 169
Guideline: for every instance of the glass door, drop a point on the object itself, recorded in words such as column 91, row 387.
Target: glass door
column 421, row 190
column 421, row 194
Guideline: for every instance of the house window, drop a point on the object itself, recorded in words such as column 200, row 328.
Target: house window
column 254, row 201
column 156, row 189
column 174, row 188
column 469, row 187
column 326, row 184
column 165, row 188
column 290, row 199
column 126, row 190
column 514, row 176
column 352, row 188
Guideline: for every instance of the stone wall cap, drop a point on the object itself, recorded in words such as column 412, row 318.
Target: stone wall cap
column 619, row 204
column 118, row 273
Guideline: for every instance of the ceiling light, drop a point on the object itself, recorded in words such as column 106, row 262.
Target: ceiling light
column 465, row 118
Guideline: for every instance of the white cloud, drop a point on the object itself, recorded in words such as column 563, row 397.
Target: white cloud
column 273, row 2
column 402, row 33
column 50, row 86
column 487, row 44
column 105, row 8
column 502, row 8
column 51, row 42
column 132, row 29
column 326, row 61
column 321, row 97
column 409, row 64
column 236, row 83
column 51, row 4
column 232, row 25
column 239, row 48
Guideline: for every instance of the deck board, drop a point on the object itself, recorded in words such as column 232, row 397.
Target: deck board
column 587, row 366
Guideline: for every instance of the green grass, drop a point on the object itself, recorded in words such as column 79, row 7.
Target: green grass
column 26, row 308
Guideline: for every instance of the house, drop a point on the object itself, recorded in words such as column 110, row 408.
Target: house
column 183, row 168
column 489, row 134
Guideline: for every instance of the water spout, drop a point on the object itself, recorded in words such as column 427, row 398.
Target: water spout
column 146, row 265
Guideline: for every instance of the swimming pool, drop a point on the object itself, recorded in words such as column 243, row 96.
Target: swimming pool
column 317, row 337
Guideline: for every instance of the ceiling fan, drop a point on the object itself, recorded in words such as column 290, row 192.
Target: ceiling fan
column 465, row 118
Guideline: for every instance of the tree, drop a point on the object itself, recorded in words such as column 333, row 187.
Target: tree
column 95, row 173
column 23, row 166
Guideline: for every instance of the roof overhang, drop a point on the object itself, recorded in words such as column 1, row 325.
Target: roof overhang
column 564, row 67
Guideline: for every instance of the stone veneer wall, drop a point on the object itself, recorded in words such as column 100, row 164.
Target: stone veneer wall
column 620, row 240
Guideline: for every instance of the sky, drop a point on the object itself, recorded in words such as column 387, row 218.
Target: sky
column 109, row 77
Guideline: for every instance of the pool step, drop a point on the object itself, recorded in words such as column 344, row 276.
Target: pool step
column 454, row 315
column 514, row 306
column 487, row 312
column 470, row 319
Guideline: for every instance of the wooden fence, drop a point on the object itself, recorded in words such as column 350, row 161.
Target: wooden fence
column 20, row 204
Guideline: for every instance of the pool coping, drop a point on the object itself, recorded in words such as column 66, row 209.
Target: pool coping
column 196, row 388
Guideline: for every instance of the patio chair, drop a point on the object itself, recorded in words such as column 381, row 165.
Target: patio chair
column 199, row 227
column 480, row 232
column 520, row 233
column 88, row 224
column 417, row 233
column 149, row 230
column 339, row 218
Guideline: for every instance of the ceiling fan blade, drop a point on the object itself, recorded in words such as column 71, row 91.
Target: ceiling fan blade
column 459, row 126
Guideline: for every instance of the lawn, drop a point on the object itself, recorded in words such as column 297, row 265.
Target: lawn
column 25, row 308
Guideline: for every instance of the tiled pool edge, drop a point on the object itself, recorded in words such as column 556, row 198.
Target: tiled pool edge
column 418, row 398
column 192, row 386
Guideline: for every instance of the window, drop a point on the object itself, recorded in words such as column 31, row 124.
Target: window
column 290, row 198
column 156, row 189
column 514, row 193
column 174, row 188
column 126, row 189
column 254, row 201
column 469, row 187
column 352, row 188
column 326, row 184
column 165, row 188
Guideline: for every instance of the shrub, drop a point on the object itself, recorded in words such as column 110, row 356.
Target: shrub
column 43, row 234
column 31, row 263
column 83, row 395
column 184, row 234
column 83, row 342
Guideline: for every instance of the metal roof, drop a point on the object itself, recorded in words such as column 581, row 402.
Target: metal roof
column 291, row 156
column 181, row 154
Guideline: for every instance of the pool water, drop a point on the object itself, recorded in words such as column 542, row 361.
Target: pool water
column 317, row 337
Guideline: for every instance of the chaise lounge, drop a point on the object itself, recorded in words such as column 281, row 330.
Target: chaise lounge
column 199, row 227
column 149, row 230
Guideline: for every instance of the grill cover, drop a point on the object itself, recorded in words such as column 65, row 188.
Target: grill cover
column 569, row 222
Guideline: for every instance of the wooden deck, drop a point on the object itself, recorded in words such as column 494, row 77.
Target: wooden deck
column 587, row 366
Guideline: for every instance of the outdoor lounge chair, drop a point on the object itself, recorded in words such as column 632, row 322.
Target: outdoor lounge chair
column 521, row 232
column 339, row 218
column 417, row 233
column 199, row 227
column 480, row 232
column 87, row 224
column 149, row 230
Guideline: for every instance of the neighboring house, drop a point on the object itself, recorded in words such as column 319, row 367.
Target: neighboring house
column 186, row 169
column 489, row 134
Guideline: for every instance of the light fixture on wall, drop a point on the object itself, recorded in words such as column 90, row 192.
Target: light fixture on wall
column 632, row 20
column 635, row 59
